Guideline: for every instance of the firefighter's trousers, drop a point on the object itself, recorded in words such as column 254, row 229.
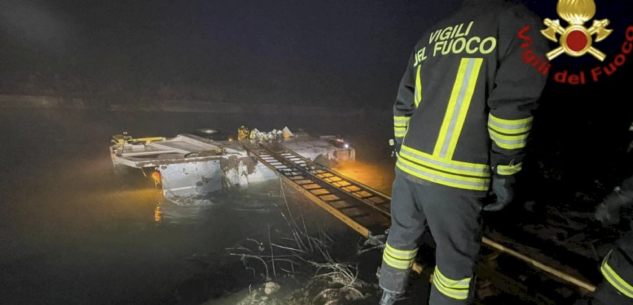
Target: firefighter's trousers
column 454, row 218
column 617, row 269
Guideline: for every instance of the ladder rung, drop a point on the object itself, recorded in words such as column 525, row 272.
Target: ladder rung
column 376, row 200
column 331, row 197
column 319, row 192
column 340, row 204
column 356, row 213
column 352, row 188
column 362, row 194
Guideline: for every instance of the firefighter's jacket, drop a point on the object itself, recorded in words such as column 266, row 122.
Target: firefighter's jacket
column 464, row 107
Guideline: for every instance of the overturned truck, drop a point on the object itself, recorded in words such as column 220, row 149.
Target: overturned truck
column 191, row 166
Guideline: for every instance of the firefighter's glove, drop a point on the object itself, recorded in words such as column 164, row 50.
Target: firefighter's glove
column 608, row 211
column 503, row 190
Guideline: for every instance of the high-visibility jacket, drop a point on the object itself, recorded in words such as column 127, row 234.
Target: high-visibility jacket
column 464, row 107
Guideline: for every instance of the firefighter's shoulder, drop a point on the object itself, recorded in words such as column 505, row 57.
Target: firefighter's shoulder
column 517, row 13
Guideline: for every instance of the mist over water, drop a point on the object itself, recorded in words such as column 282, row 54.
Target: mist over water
column 74, row 233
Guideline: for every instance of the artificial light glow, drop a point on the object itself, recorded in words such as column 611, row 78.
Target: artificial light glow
column 156, row 177
column 158, row 215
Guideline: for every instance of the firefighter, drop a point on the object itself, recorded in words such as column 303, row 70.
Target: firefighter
column 462, row 116
column 617, row 267
column 242, row 133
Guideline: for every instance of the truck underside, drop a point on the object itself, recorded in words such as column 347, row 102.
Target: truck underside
column 191, row 166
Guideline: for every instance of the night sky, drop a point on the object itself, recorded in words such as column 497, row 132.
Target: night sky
column 330, row 52
column 351, row 52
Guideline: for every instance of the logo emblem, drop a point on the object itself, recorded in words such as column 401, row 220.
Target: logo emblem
column 576, row 40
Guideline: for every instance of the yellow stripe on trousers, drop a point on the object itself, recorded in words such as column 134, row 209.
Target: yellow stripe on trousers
column 399, row 259
column 618, row 282
column 451, row 288
column 458, row 105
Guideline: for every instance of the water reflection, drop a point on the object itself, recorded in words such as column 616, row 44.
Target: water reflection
column 261, row 198
column 158, row 215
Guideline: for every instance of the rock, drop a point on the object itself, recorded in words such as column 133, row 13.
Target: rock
column 271, row 288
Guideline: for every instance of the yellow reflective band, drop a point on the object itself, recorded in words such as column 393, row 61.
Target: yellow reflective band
column 615, row 280
column 507, row 170
column 451, row 293
column 464, row 284
column 451, row 107
column 477, row 184
column 401, row 120
column 510, row 126
column 466, row 97
column 451, row 166
column 508, row 142
column 442, row 174
column 401, row 254
column 396, row 263
column 400, row 131
column 458, row 106
column 418, row 87
column 458, row 290
column 451, row 288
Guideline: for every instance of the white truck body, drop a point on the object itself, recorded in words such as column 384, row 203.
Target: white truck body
column 192, row 167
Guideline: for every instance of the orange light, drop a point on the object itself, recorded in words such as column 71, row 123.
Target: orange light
column 158, row 215
column 156, row 177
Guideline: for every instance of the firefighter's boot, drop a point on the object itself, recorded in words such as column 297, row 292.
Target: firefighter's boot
column 389, row 297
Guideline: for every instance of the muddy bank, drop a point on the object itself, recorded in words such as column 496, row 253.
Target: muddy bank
column 174, row 106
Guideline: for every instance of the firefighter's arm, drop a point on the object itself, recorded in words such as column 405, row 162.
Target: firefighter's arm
column 405, row 104
column 519, row 83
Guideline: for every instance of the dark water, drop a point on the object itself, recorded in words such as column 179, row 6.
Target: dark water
column 71, row 232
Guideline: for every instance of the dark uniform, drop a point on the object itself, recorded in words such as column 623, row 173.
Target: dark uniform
column 617, row 266
column 462, row 118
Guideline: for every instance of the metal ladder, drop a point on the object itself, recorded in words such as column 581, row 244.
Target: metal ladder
column 360, row 207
